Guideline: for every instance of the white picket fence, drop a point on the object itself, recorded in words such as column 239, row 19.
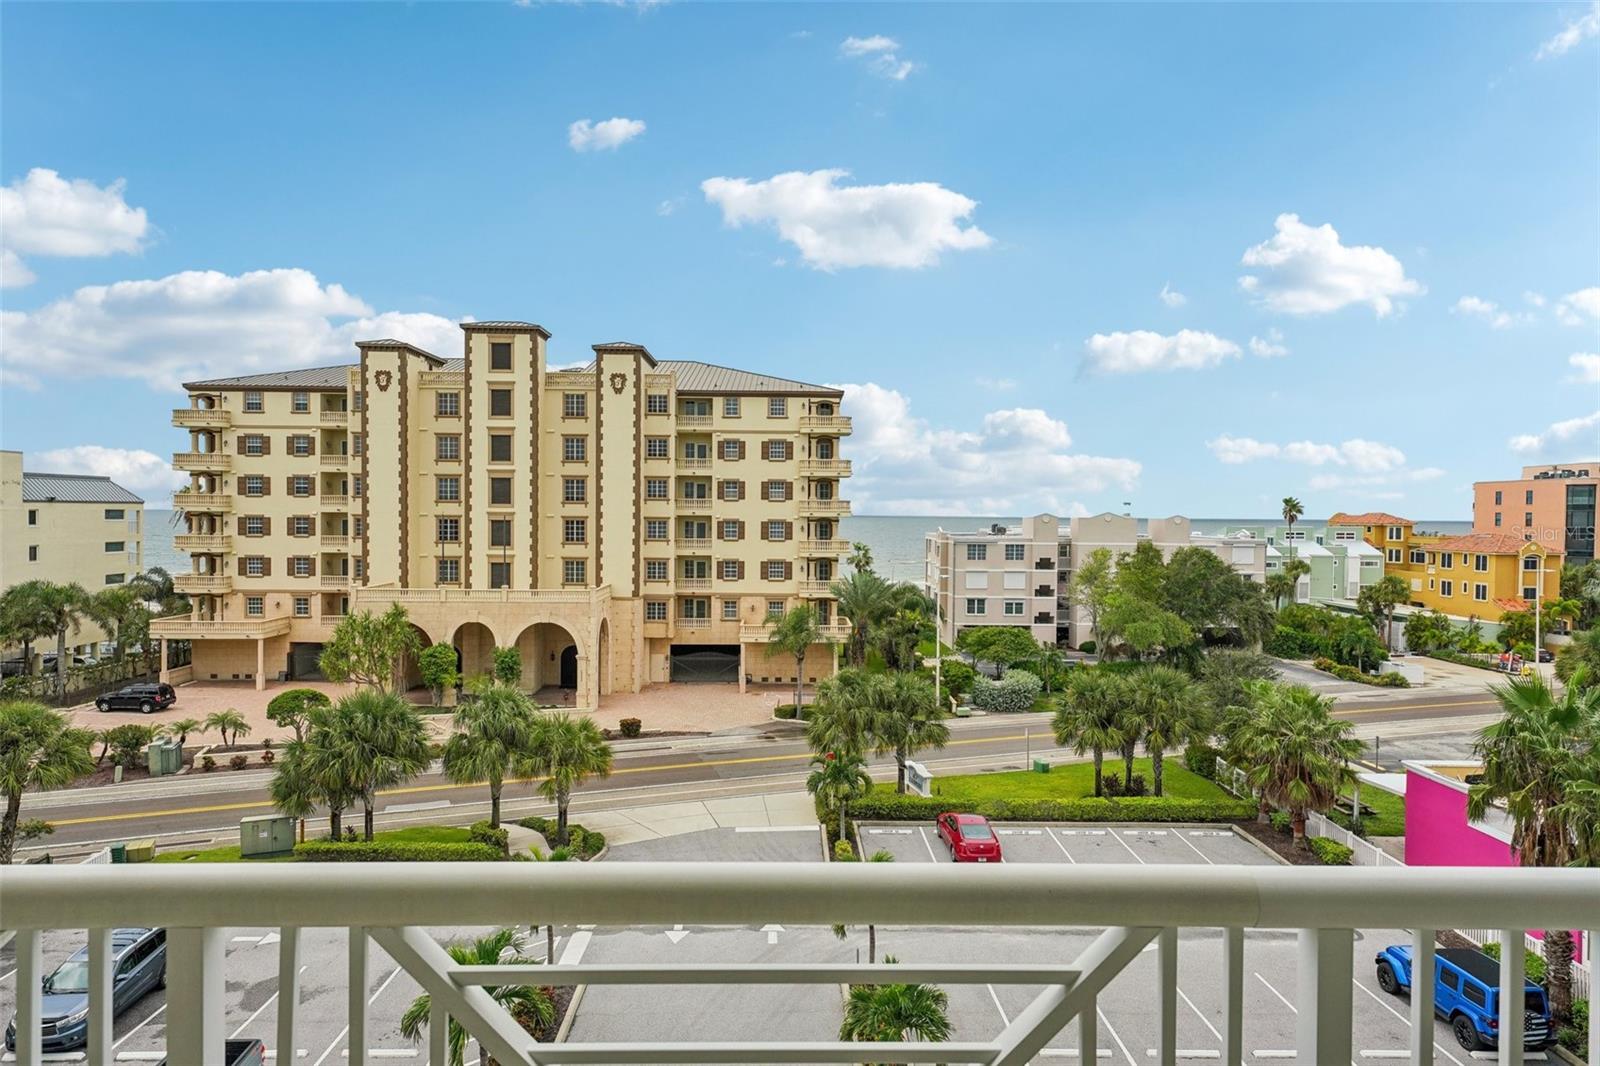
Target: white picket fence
column 1364, row 853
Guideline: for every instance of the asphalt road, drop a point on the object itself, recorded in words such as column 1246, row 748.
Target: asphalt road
column 201, row 807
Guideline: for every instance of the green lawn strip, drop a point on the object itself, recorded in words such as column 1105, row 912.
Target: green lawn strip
column 417, row 834
column 1068, row 781
column 1387, row 820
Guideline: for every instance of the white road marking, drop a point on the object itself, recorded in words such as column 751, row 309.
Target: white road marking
column 1063, row 848
column 1274, row 1054
column 774, row 829
column 1202, row 1017
column 269, row 1001
column 343, row 1032
column 677, row 933
column 408, row 808
column 572, row 954
column 1194, row 849
column 1275, row 992
column 141, row 1025
column 141, row 1056
column 1004, row 1020
column 1107, row 1023
column 1402, row 1053
column 772, row 932
column 1191, row 1053
column 1388, row 1007
column 1118, row 838
column 924, row 834
column 386, row 1052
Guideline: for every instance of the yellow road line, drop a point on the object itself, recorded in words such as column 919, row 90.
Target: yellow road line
column 411, row 790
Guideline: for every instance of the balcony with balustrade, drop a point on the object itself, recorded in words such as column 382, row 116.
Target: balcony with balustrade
column 825, row 467
column 694, row 504
column 335, row 461
column 202, row 462
column 814, row 508
column 203, row 502
column 334, row 501
column 825, row 425
column 202, row 418
column 824, row 547
column 202, row 584
column 203, row 543
column 694, row 545
column 183, row 627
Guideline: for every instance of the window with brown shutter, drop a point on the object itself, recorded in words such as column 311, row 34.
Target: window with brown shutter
column 313, row 566
column 741, row 570
column 741, row 529
column 312, row 441
column 238, row 444
column 266, row 486
column 763, row 531
column 266, row 444
column 266, row 566
column 741, row 449
column 788, row 449
column 266, row 526
column 788, row 531
column 765, row 485
column 788, row 490
column 788, row 571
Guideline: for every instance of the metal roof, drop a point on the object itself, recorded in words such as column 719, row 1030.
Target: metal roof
column 312, row 377
column 506, row 324
column 694, row 376
column 73, row 488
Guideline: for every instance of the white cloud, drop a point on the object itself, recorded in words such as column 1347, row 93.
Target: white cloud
column 1307, row 271
column 1587, row 364
column 14, row 273
column 1534, row 298
column 1365, row 456
column 996, row 384
column 1142, row 349
column 1487, row 310
column 201, row 324
column 145, row 473
column 609, row 134
column 1017, row 462
column 1172, row 297
column 1572, row 34
column 1270, row 347
column 833, row 226
column 45, row 214
column 668, row 207
column 881, row 55
column 1582, row 433
column 1574, row 307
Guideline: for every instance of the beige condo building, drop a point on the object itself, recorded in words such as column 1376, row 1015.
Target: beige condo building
column 68, row 529
column 636, row 521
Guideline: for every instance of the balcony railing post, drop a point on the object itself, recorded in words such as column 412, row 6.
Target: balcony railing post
column 100, row 995
column 438, row 1033
column 357, row 991
column 1167, row 997
column 1422, row 965
column 1089, row 1030
column 1513, row 956
column 196, row 994
column 1326, row 962
column 29, row 955
column 1233, row 992
column 288, row 991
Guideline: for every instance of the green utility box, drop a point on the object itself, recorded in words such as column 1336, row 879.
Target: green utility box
column 1040, row 766
column 265, row 834
column 164, row 757
column 119, row 853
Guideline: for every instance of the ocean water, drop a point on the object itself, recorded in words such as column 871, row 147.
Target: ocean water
column 896, row 540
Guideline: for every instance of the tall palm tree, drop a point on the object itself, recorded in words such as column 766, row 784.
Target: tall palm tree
column 896, row 1012
column 841, row 717
column 1292, row 510
column 794, row 632
column 837, row 778
column 905, row 719
column 25, row 616
column 566, row 751
column 529, row 1006
column 872, row 930
column 1540, row 763
column 67, row 606
column 230, row 725
column 372, row 740
column 1091, row 716
column 120, row 610
column 863, row 598
column 1279, row 585
column 1296, row 754
column 39, row 749
column 492, row 733
column 1166, row 711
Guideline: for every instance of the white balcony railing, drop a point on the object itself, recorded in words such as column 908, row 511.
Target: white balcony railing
column 1139, row 909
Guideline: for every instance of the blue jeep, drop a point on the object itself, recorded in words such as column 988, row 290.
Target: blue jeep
column 1466, row 991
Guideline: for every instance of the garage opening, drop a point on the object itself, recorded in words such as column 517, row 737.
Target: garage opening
column 705, row 662
column 303, row 664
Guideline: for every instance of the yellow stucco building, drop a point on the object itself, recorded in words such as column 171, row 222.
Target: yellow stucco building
column 636, row 521
column 1482, row 574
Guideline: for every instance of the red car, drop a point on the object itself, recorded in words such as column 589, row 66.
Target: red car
column 969, row 838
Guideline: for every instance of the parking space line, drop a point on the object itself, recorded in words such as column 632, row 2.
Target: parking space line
column 1107, row 1023
column 1275, row 992
column 1196, row 850
column 1184, row 996
column 1388, row 1007
column 924, row 834
column 136, row 1028
column 1004, row 1020
column 1189, row 1053
column 1118, row 838
column 1063, row 847
column 269, row 1001
column 342, row 1032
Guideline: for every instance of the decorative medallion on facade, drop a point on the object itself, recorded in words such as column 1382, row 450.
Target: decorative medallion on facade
column 383, row 377
column 617, row 381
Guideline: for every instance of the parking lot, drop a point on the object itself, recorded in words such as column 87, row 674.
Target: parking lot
column 1127, row 1030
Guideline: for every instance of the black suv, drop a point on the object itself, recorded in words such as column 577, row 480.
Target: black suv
column 146, row 699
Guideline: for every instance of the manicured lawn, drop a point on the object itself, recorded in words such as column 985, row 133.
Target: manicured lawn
column 1068, row 782
column 1387, row 820
column 418, row 834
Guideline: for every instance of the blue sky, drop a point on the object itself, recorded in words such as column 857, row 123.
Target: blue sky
column 1193, row 257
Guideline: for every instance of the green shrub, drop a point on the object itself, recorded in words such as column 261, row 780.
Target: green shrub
column 1350, row 673
column 1575, row 1037
column 1289, row 643
column 585, row 843
column 1013, row 693
column 398, row 851
column 1281, row 821
column 784, row 711
column 1331, row 852
column 126, row 743
column 957, row 676
column 630, row 727
column 207, row 763
column 507, row 665
column 1087, row 647
column 1201, row 758
column 484, row 833
column 1532, row 961
column 1113, row 785
column 1465, row 660
column 843, row 851
column 891, row 807
column 239, row 762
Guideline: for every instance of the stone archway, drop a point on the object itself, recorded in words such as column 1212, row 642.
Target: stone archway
column 474, row 643
column 412, row 673
column 541, row 647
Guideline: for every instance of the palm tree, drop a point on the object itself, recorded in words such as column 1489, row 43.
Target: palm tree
column 1051, row 663
column 872, row 930
column 39, row 749
column 314, row 770
column 862, row 598
column 841, row 717
column 384, row 741
column 25, row 617
column 1296, row 754
column 1091, row 716
column 529, row 1007
column 896, row 1012
column 1292, row 510
column 566, row 751
column 905, row 718
column 120, row 610
column 492, row 733
column 230, row 725
column 1540, row 763
column 860, row 557
column 67, row 606
column 1279, row 585
column 837, row 778
column 180, row 728
column 794, row 633
column 1166, row 711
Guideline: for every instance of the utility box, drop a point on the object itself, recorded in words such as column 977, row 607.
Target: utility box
column 266, row 834
column 164, row 757
column 1040, row 766
column 140, row 850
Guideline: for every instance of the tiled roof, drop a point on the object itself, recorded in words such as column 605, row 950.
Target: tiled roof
column 1513, row 603
column 1483, row 543
column 694, row 376
column 1368, row 518
column 313, row 377
column 73, row 488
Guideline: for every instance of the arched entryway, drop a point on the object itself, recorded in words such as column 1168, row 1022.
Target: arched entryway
column 603, row 657
column 550, row 657
column 474, row 643
column 569, row 667
column 410, row 668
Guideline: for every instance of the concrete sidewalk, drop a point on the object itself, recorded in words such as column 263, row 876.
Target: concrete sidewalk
column 784, row 809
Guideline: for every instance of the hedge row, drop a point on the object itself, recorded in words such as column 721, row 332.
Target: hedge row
column 891, row 807
column 1465, row 660
column 585, row 843
column 1331, row 852
column 399, row 851
column 1350, row 673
